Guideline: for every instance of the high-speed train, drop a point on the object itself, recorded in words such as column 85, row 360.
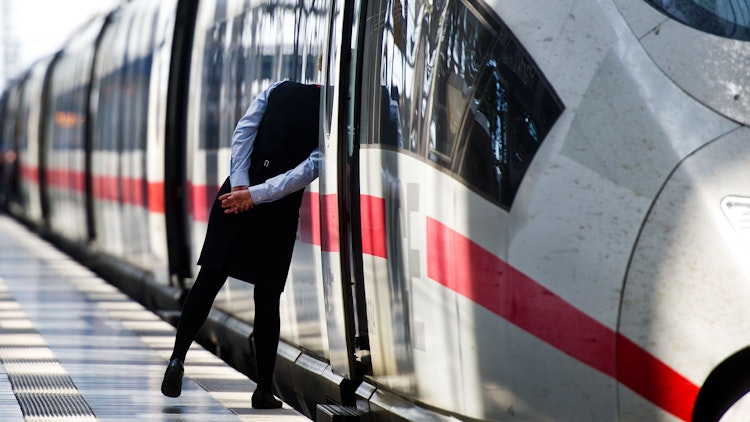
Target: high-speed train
column 528, row 210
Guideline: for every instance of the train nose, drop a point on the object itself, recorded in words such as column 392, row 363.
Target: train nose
column 690, row 268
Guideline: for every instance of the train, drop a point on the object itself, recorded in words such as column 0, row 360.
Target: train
column 527, row 210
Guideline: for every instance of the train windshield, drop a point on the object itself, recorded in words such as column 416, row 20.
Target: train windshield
column 725, row 18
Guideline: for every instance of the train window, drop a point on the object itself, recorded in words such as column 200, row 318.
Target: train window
column 234, row 103
column 465, row 44
column 485, row 137
column 725, row 18
column 225, row 70
column 246, row 52
column 136, row 75
column 331, row 71
column 512, row 110
column 401, row 43
column 213, row 64
column 459, row 90
column 110, row 85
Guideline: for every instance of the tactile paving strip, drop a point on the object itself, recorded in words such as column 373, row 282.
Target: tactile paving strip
column 29, row 384
column 41, row 385
column 45, row 406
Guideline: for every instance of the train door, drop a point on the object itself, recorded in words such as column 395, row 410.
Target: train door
column 339, row 200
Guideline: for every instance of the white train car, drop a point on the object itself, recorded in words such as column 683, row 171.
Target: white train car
column 558, row 232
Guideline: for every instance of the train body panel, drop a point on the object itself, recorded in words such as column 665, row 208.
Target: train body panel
column 620, row 156
column 693, row 242
column 130, row 76
column 30, row 132
column 9, row 190
column 66, row 138
column 699, row 69
column 6, row 151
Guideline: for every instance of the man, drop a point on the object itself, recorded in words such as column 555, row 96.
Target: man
column 253, row 224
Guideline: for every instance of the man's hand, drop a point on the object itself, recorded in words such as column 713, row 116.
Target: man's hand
column 236, row 201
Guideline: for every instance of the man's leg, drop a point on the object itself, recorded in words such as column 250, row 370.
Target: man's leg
column 196, row 308
column 194, row 313
column 266, row 340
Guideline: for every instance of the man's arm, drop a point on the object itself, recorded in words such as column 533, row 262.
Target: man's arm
column 243, row 138
column 293, row 180
column 274, row 188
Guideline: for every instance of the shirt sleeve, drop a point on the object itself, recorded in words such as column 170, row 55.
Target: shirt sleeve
column 244, row 138
column 293, row 180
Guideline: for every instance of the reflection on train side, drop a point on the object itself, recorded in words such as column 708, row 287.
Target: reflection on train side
column 468, row 96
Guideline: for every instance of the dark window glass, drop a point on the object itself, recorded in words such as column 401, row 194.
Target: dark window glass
column 245, row 53
column 725, row 18
column 463, row 94
column 329, row 92
column 213, row 65
column 107, row 124
column 465, row 43
column 485, row 136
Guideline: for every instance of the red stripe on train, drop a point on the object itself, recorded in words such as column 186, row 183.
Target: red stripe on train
column 309, row 219
column 133, row 191
column 64, row 179
column 30, row 173
column 198, row 199
column 372, row 224
column 463, row 266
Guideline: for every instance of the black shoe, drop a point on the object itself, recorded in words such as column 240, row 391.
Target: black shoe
column 172, row 384
column 263, row 400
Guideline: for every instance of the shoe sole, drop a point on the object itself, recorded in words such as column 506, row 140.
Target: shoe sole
column 263, row 404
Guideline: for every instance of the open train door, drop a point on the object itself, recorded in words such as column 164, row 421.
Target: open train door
column 341, row 232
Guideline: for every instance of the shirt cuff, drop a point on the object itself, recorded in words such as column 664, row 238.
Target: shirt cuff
column 239, row 178
column 259, row 193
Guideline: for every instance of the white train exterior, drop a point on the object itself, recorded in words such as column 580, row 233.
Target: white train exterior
column 528, row 210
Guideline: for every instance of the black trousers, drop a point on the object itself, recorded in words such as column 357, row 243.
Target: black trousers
column 265, row 327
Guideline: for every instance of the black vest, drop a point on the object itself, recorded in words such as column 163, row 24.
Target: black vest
column 287, row 134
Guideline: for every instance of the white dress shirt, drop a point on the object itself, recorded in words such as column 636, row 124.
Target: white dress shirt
column 242, row 147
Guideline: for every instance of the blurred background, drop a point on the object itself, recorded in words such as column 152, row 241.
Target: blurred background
column 31, row 29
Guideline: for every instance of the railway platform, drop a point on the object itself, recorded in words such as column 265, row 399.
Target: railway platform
column 74, row 348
